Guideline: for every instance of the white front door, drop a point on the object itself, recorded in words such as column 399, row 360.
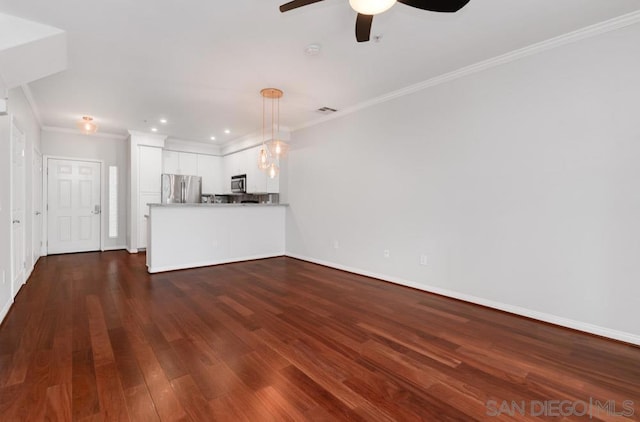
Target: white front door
column 37, row 206
column 73, row 197
column 17, row 210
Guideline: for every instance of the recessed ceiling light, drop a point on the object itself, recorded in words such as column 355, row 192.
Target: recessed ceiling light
column 163, row 121
column 213, row 138
column 227, row 131
column 154, row 129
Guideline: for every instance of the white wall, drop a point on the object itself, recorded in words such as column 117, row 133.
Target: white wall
column 25, row 120
column 112, row 152
column 521, row 185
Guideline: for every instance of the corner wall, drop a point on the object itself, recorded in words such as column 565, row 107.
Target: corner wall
column 520, row 185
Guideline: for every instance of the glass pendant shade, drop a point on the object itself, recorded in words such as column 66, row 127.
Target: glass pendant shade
column 371, row 7
column 273, row 170
column 271, row 152
column 278, row 148
column 87, row 126
column 263, row 158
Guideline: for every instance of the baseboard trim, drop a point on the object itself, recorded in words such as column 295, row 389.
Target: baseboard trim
column 517, row 310
column 154, row 270
column 113, row 248
column 132, row 250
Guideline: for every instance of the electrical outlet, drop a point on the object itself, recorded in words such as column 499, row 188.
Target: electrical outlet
column 423, row 260
column 386, row 253
column 336, row 245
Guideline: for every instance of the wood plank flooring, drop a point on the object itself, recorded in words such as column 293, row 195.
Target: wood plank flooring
column 94, row 337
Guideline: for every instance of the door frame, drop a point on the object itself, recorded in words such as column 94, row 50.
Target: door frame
column 36, row 152
column 45, row 194
column 13, row 124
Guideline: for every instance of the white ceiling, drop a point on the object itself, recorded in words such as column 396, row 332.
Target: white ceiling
column 201, row 64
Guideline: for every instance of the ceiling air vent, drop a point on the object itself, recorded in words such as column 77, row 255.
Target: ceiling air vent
column 326, row 110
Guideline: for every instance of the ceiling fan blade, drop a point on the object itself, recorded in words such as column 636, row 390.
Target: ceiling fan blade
column 363, row 27
column 447, row 6
column 295, row 4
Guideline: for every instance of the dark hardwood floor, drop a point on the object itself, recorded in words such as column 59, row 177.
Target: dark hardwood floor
column 94, row 337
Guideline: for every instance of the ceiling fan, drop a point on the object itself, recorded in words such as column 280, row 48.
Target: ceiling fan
column 368, row 8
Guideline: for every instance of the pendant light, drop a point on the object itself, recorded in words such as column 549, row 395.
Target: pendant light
column 277, row 147
column 263, row 156
column 87, row 126
column 271, row 152
column 273, row 170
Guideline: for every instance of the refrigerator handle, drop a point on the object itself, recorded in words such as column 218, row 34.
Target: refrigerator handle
column 183, row 193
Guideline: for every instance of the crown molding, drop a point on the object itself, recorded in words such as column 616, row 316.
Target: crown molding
column 55, row 129
column 253, row 139
column 568, row 38
column 186, row 145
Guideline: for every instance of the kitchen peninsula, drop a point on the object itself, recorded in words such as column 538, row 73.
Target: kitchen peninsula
column 195, row 235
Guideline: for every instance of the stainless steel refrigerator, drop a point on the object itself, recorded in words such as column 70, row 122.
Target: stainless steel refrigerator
column 179, row 189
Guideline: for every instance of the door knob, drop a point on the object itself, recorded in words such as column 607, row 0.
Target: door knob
column 96, row 210
column 38, row 213
column 16, row 221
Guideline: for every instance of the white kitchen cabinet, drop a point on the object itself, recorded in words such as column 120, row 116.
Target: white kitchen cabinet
column 255, row 176
column 210, row 169
column 232, row 165
column 175, row 162
column 150, row 161
column 188, row 164
column 170, row 162
column 246, row 162
column 150, row 168
column 237, row 164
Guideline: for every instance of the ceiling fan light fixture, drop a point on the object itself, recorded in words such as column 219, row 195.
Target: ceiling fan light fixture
column 371, row 7
column 87, row 126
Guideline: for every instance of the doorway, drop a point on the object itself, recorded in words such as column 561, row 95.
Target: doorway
column 73, row 205
column 18, row 262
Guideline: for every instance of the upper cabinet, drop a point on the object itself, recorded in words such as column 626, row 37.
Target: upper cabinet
column 216, row 171
column 185, row 163
column 170, row 162
column 210, row 169
column 246, row 162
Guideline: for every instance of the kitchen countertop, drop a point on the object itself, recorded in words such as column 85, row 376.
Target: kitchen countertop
column 216, row 205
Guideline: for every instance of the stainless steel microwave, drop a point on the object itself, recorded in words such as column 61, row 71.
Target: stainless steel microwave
column 239, row 183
